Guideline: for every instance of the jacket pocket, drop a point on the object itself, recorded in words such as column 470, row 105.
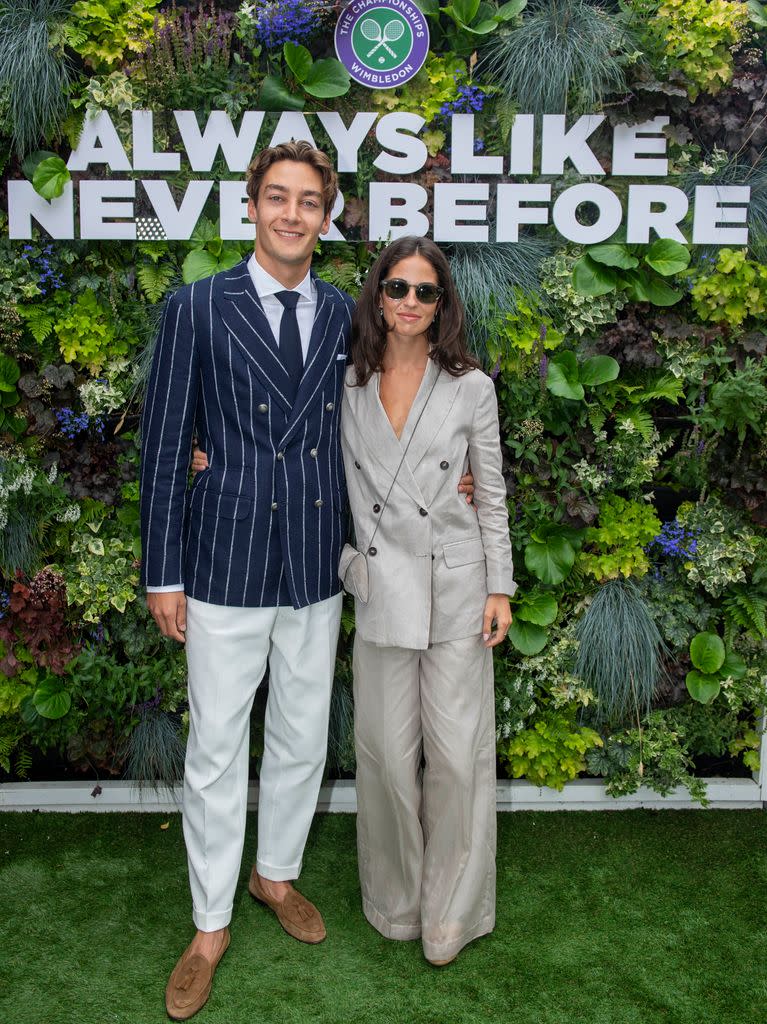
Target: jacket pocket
column 222, row 506
column 463, row 552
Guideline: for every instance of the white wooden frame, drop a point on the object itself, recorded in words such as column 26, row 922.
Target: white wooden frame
column 341, row 797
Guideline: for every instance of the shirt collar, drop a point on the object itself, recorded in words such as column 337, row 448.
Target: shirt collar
column 268, row 285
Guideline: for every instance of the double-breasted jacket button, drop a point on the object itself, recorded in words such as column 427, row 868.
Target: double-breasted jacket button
column 372, row 551
column 274, row 506
column 319, row 503
column 313, row 453
column 376, row 507
column 357, row 465
column 263, row 407
column 329, row 407
column 444, row 464
column 422, row 512
column 280, row 456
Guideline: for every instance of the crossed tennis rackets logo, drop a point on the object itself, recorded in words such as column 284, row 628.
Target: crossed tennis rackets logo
column 390, row 33
column 382, row 43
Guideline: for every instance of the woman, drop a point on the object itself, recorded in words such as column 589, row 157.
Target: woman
column 417, row 410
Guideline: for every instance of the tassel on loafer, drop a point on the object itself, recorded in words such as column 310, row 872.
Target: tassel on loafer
column 190, row 982
column 296, row 914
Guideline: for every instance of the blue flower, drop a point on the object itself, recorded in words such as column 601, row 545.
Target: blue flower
column 285, row 21
column 674, row 541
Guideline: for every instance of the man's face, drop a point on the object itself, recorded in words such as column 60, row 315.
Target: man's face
column 289, row 218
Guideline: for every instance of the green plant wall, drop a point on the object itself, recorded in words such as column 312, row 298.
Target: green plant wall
column 631, row 379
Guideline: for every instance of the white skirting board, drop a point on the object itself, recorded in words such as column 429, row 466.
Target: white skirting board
column 340, row 797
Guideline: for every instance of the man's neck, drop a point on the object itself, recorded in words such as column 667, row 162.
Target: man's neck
column 289, row 275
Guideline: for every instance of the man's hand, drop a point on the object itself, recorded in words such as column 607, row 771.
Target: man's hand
column 466, row 486
column 199, row 460
column 496, row 608
column 169, row 612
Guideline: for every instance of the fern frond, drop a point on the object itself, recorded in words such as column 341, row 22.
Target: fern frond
column 39, row 321
column 668, row 387
column 642, row 421
column 23, row 763
column 341, row 274
column 153, row 250
column 155, row 279
column 506, row 111
column 747, row 611
column 597, row 417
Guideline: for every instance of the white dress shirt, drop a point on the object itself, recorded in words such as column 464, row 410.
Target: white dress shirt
column 267, row 287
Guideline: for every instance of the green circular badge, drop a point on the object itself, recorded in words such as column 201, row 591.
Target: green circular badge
column 382, row 39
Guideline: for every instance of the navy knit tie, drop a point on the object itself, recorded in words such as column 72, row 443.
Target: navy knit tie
column 290, row 342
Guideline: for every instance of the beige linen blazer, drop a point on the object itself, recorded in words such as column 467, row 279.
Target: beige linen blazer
column 434, row 558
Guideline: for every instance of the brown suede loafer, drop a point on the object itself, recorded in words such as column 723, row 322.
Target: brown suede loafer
column 296, row 914
column 189, row 985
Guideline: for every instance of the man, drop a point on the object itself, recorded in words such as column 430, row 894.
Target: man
column 244, row 568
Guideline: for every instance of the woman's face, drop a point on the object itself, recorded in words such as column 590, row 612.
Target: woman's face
column 407, row 318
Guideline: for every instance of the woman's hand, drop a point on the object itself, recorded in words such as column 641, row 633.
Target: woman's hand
column 199, row 460
column 497, row 609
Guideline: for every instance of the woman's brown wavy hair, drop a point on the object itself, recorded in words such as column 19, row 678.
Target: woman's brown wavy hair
column 446, row 333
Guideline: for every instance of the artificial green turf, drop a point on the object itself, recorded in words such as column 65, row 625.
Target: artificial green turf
column 629, row 917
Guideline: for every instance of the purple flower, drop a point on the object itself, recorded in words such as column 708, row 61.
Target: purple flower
column 674, row 541
column 285, row 21
column 72, row 423
column 496, row 369
column 470, row 100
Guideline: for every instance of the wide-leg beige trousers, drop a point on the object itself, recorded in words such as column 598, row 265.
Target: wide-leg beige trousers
column 426, row 829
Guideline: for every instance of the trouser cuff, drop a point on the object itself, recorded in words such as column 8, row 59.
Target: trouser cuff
column 276, row 874
column 213, row 921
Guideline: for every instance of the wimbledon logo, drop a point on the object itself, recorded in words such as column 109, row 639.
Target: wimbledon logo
column 382, row 43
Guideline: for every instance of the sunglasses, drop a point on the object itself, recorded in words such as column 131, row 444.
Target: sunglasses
column 397, row 288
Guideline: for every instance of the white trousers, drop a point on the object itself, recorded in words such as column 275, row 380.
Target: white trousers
column 227, row 650
column 426, row 838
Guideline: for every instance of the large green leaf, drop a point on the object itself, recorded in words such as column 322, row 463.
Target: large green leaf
column 592, row 278
column 599, row 370
column 30, row 162
column 51, row 700
column 611, row 254
column 298, row 59
column 326, row 78
column 656, row 291
column 707, row 652
column 537, row 607
column 463, row 10
column 9, row 373
column 757, row 13
column 551, row 561
column 703, row 688
column 481, row 28
column 50, row 177
column 528, row 638
column 275, row 95
column 511, row 9
column 733, row 665
column 201, row 263
column 562, row 377
column 667, row 257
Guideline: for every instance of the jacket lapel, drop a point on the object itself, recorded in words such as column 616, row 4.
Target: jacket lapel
column 237, row 302
column 436, row 405
column 327, row 342
column 378, row 435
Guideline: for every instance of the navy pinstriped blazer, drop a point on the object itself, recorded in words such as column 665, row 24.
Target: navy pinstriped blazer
column 264, row 525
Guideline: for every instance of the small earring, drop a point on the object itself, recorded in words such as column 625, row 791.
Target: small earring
column 380, row 311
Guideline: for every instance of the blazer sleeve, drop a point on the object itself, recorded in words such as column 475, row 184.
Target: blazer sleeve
column 490, row 491
column 167, row 427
